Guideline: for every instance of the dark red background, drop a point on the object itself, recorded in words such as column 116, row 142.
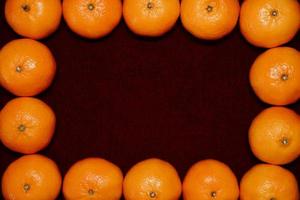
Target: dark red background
column 126, row 98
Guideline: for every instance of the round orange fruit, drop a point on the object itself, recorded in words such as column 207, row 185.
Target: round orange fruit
column 151, row 17
column 31, row 177
column 92, row 18
column 275, row 76
column 274, row 135
column 270, row 182
column 27, row 67
column 210, row 179
column 33, row 19
column 269, row 23
column 93, row 178
column 26, row 125
column 209, row 19
column 152, row 179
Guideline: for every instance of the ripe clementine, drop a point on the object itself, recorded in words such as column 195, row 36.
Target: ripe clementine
column 26, row 125
column 33, row 19
column 33, row 177
column 152, row 179
column 275, row 76
column 209, row 19
column 210, row 179
column 274, row 135
column 27, row 67
column 270, row 182
column 269, row 23
column 151, row 17
column 93, row 178
column 92, row 18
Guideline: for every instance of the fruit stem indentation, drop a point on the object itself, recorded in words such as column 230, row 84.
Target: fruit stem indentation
column 284, row 77
column 213, row 194
column 91, row 6
column 152, row 195
column 274, row 13
column 22, row 128
column 150, row 5
column 26, row 187
column 26, row 7
column 91, row 192
column 209, row 8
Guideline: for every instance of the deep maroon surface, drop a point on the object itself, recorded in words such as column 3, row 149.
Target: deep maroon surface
column 126, row 98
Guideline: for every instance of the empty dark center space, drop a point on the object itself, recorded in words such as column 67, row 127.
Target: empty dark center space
column 25, row 7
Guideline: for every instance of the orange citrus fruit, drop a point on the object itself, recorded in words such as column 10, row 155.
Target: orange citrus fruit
column 210, row 179
column 31, row 177
column 27, row 67
column 93, row 178
column 209, row 19
column 152, row 179
column 274, row 135
column 151, row 17
column 275, row 76
column 33, row 19
column 26, row 125
column 92, row 18
column 268, row 182
column 269, row 23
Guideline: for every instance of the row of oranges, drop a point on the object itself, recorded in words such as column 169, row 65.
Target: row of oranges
column 37, row 177
column 264, row 23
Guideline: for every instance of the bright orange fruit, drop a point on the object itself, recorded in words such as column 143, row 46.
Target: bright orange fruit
column 151, row 17
column 31, row 177
column 33, row 19
column 26, row 125
column 209, row 19
column 27, row 67
column 152, row 179
column 274, row 135
column 92, row 18
column 269, row 23
column 93, row 178
column 268, row 182
column 210, row 179
column 275, row 76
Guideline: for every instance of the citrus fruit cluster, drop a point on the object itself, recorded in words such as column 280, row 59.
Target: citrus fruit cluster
column 27, row 67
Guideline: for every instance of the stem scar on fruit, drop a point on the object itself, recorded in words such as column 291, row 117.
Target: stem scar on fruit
column 25, row 7
column 150, row 5
column 22, row 128
column 284, row 141
column 285, row 77
column 26, row 187
column 91, row 6
column 209, row 8
column 152, row 195
column 274, row 13
column 213, row 194
column 91, row 192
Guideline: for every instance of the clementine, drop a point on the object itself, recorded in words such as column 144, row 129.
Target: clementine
column 31, row 177
column 269, row 23
column 274, row 135
column 33, row 19
column 27, row 67
column 270, row 182
column 92, row 18
column 151, row 17
column 209, row 19
column 210, row 179
column 93, row 178
column 152, row 179
column 275, row 76
column 26, row 125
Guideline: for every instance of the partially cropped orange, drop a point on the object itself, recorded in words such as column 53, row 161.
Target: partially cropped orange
column 274, row 135
column 27, row 67
column 26, row 125
column 92, row 18
column 93, row 178
column 269, row 23
column 275, row 76
column 31, row 177
column 211, row 19
column 34, row 19
column 151, row 17
column 152, row 179
column 210, row 179
column 269, row 182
